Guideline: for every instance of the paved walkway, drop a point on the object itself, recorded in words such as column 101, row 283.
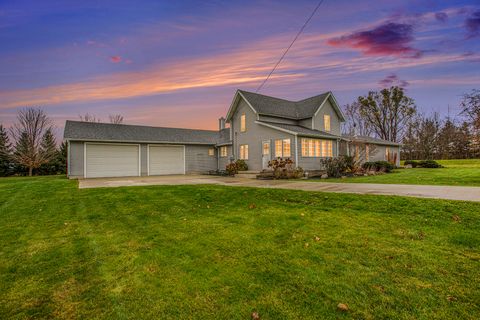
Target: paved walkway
column 422, row 191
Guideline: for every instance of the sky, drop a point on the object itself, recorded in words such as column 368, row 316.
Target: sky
column 178, row 63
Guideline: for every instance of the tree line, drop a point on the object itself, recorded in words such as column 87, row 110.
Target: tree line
column 29, row 146
column 391, row 115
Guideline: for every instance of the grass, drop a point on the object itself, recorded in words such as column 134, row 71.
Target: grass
column 464, row 172
column 211, row 252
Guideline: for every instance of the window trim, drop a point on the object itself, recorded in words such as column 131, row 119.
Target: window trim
column 243, row 152
column 325, row 117
column 316, row 148
column 222, row 153
column 283, row 143
column 243, row 123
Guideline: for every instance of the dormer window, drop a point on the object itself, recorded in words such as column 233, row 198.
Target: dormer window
column 243, row 124
column 326, row 122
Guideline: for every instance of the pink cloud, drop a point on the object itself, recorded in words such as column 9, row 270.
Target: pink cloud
column 390, row 38
column 393, row 80
column 115, row 59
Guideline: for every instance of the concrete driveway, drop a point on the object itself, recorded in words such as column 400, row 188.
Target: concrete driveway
column 422, row 191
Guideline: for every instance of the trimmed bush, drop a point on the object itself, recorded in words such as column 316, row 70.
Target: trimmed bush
column 413, row 163
column 241, row 165
column 383, row 166
column 423, row 164
column 429, row 164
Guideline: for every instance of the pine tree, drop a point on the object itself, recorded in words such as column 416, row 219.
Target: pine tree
column 48, row 151
column 62, row 158
column 21, row 150
column 5, row 153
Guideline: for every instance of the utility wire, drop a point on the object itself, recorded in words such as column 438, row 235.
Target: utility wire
column 291, row 44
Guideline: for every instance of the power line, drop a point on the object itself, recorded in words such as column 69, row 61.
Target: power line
column 291, row 44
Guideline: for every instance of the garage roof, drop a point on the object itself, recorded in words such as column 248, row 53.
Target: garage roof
column 92, row 131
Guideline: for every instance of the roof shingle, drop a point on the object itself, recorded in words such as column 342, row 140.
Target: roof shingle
column 78, row 130
column 283, row 108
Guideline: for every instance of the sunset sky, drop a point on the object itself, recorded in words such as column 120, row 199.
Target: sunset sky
column 178, row 63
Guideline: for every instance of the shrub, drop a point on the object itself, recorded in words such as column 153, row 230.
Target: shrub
column 429, row 164
column 334, row 166
column 383, row 166
column 285, row 169
column 231, row 169
column 413, row 163
column 241, row 165
column 423, row 164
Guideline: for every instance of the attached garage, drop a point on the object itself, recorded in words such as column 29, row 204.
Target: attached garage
column 165, row 159
column 111, row 160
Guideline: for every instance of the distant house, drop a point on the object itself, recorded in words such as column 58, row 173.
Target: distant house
column 261, row 128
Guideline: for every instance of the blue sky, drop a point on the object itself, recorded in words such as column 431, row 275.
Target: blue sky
column 178, row 63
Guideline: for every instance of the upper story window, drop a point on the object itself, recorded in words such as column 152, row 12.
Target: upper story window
column 326, row 122
column 243, row 124
column 223, row 151
column 244, row 151
column 211, row 152
column 282, row 148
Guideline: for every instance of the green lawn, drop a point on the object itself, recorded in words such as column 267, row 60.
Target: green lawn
column 455, row 173
column 211, row 252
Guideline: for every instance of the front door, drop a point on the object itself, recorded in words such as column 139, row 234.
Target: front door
column 265, row 154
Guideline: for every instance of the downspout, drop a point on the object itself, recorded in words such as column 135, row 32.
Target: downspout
column 338, row 150
column 296, row 151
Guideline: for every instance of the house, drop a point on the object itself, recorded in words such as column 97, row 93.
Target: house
column 261, row 128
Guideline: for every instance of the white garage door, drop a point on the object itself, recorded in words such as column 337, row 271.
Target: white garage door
column 111, row 160
column 166, row 160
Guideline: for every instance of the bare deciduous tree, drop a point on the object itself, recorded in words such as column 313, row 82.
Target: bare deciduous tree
column 116, row 118
column 28, row 133
column 89, row 118
column 355, row 124
column 387, row 112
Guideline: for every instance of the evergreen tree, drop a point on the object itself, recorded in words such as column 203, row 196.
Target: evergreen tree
column 5, row 153
column 48, row 150
column 22, row 148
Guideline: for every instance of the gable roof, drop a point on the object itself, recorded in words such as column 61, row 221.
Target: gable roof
column 296, row 110
column 367, row 139
column 299, row 130
column 91, row 131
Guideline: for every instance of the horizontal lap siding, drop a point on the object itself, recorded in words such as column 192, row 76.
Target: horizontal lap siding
column 197, row 159
column 223, row 161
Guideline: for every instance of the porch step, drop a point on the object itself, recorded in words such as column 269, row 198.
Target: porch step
column 250, row 174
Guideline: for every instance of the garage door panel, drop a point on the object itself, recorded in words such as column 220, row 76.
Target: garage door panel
column 104, row 160
column 165, row 160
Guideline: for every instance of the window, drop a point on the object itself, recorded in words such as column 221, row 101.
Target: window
column 367, row 152
column 243, row 125
column 387, row 153
column 266, row 148
column 357, row 153
column 316, row 148
column 244, row 151
column 223, row 151
column 286, row 148
column 282, row 148
column 211, row 152
column 326, row 122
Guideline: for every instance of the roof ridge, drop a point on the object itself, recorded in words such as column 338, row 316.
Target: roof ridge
column 264, row 95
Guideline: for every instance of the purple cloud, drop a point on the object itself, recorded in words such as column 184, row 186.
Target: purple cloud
column 387, row 39
column 441, row 16
column 472, row 24
column 393, row 80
